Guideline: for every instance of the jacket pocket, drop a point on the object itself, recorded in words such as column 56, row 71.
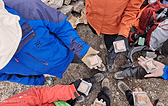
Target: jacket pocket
column 36, row 58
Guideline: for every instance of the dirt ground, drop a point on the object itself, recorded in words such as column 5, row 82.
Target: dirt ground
column 156, row 88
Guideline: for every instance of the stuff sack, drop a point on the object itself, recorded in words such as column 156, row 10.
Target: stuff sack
column 153, row 26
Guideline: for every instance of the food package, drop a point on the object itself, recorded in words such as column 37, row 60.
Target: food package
column 149, row 65
column 119, row 46
column 94, row 61
column 84, row 87
column 140, row 98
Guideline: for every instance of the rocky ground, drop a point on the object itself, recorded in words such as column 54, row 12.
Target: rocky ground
column 155, row 88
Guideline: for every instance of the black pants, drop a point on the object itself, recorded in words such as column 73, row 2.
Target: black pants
column 108, row 39
column 105, row 95
column 129, row 97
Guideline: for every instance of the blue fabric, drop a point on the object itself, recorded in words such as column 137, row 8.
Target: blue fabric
column 54, row 46
column 24, row 80
column 165, row 74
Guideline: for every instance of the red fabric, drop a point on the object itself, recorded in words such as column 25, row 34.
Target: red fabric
column 41, row 96
column 146, row 15
column 130, row 39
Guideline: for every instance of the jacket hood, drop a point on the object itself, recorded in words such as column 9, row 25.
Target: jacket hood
column 10, row 34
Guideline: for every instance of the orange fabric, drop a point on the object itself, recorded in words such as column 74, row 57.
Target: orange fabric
column 112, row 16
column 41, row 96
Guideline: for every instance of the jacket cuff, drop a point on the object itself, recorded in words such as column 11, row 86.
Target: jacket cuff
column 165, row 74
column 76, row 94
column 89, row 53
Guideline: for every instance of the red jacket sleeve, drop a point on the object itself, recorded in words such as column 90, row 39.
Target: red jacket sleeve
column 42, row 95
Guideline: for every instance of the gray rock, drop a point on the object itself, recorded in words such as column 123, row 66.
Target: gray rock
column 82, row 19
column 67, row 2
column 66, row 9
column 54, row 3
column 78, row 6
column 45, row 1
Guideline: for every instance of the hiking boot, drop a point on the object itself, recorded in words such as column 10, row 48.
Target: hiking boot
column 105, row 83
column 159, row 103
column 122, row 86
column 111, row 56
column 99, row 76
column 102, row 67
column 160, row 58
column 118, row 75
column 129, row 72
column 81, row 98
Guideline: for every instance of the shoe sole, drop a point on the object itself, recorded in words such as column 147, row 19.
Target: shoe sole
column 116, row 77
column 103, row 75
column 119, row 82
column 104, row 82
column 102, row 69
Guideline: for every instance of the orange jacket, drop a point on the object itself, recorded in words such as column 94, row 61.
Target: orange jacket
column 42, row 96
column 112, row 16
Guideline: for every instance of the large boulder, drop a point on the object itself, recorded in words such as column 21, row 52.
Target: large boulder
column 66, row 9
column 78, row 6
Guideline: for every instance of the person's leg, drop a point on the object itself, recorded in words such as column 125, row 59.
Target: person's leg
column 126, row 91
column 129, row 97
column 92, row 28
column 137, row 72
column 109, row 39
column 105, row 95
column 111, row 55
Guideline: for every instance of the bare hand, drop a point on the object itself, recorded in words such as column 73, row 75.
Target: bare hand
column 156, row 72
column 140, row 90
column 101, row 100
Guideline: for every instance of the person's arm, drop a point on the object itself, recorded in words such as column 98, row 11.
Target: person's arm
column 42, row 95
column 161, row 71
column 65, row 32
column 129, row 16
column 165, row 74
column 55, row 21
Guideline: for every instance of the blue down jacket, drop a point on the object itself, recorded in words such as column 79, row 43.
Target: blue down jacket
column 48, row 43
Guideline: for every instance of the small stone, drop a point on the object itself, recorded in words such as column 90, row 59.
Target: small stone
column 117, row 93
column 102, row 46
column 78, row 6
